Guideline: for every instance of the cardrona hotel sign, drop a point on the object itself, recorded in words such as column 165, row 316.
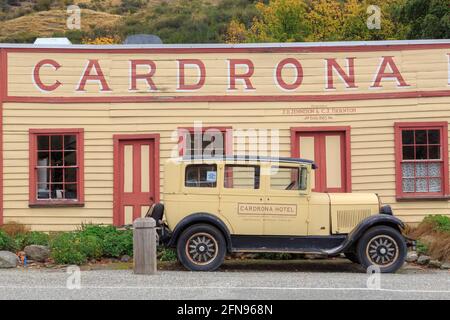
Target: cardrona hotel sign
column 228, row 75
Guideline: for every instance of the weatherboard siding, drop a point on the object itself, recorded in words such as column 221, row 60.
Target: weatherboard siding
column 372, row 146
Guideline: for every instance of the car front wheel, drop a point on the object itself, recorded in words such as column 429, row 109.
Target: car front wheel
column 201, row 247
column 383, row 247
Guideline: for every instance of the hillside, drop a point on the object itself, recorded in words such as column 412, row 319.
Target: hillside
column 215, row 21
column 48, row 23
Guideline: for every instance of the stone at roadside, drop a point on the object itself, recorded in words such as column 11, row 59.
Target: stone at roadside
column 37, row 253
column 434, row 264
column 423, row 260
column 412, row 256
column 8, row 260
column 445, row 266
column 125, row 258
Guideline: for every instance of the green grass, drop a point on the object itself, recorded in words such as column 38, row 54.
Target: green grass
column 439, row 222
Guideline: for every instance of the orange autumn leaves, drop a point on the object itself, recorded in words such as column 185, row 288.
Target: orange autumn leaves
column 315, row 20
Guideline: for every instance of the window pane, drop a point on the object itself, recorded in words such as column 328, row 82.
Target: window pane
column 407, row 170
column 70, row 175
column 201, row 176
column 56, row 142
column 57, row 160
column 43, row 175
column 43, row 159
column 421, row 185
column 57, row 175
column 421, row 153
column 43, row 191
column 435, row 185
column 408, row 137
column 57, row 191
column 209, row 144
column 43, row 142
column 284, row 178
column 434, row 169
column 435, row 152
column 70, row 158
column 408, row 153
column 242, row 177
column 70, row 142
column 421, row 136
column 408, row 185
column 71, row 191
column 421, row 170
column 434, row 137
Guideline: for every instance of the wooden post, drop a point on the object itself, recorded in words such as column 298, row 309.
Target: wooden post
column 144, row 246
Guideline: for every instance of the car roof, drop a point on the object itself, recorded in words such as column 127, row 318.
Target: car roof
column 249, row 158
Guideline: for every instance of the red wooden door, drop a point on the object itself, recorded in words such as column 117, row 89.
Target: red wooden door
column 136, row 178
column 328, row 149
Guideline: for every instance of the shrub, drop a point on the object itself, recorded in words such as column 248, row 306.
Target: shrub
column 118, row 244
column 421, row 247
column 13, row 228
column 114, row 243
column 37, row 238
column 6, row 242
column 75, row 248
column 439, row 222
column 167, row 254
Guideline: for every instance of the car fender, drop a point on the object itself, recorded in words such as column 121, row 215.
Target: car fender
column 200, row 217
column 363, row 226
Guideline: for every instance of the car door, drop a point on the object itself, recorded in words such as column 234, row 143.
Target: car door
column 242, row 198
column 287, row 201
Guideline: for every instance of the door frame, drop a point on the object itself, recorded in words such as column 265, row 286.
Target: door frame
column 295, row 152
column 117, row 138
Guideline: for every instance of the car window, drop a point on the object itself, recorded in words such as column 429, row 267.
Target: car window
column 201, row 176
column 285, row 178
column 303, row 178
column 289, row 178
column 242, row 177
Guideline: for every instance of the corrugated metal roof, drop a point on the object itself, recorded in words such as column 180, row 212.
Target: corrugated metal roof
column 246, row 45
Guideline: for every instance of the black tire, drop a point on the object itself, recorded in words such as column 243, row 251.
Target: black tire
column 352, row 256
column 382, row 246
column 198, row 243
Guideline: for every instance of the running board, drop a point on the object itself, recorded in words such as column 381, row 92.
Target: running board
column 321, row 245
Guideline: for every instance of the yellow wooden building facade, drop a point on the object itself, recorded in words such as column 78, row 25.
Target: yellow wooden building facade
column 85, row 130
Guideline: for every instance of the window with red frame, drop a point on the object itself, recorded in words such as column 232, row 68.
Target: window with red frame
column 422, row 160
column 55, row 166
column 204, row 142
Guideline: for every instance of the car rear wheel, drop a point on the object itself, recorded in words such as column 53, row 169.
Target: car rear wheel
column 382, row 246
column 201, row 247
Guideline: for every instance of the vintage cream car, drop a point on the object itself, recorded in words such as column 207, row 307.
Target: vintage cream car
column 242, row 204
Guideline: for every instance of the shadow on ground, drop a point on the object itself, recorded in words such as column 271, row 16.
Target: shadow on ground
column 255, row 265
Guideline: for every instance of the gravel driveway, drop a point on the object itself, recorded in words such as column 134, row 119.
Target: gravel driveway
column 230, row 283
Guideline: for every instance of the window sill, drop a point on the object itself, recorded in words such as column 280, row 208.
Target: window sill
column 55, row 204
column 420, row 198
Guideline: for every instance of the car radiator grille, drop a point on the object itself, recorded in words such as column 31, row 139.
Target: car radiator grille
column 348, row 219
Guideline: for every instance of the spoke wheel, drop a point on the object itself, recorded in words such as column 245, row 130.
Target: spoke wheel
column 382, row 250
column 201, row 248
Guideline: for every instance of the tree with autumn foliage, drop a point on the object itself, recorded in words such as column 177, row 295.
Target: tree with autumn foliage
column 318, row 20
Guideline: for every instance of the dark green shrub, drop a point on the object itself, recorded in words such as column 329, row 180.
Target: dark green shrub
column 114, row 243
column 6, row 242
column 118, row 244
column 65, row 249
column 90, row 246
column 439, row 222
column 421, row 247
column 37, row 238
column 167, row 254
